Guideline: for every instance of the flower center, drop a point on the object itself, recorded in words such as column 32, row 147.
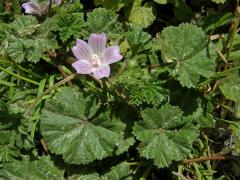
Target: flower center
column 96, row 60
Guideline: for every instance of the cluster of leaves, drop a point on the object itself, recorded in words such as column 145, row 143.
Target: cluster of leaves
column 171, row 105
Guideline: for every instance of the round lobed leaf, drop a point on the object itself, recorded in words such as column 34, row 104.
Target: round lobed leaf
column 187, row 47
column 163, row 136
column 230, row 86
column 67, row 129
column 43, row 168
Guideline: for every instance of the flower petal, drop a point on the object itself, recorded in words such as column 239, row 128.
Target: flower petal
column 82, row 50
column 98, row 43
column 103, row 71
column 58, row 2
column 111, row 55
column 32, row 8
column 82, row 67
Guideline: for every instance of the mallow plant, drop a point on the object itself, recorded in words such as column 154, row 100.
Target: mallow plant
column 126, row 89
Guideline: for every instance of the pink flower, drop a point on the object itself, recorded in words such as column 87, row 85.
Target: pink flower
column 35, row 7
column 94, row 57
column 58, row 2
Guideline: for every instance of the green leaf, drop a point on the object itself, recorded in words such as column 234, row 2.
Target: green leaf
column 35, row 48
column 140, row 88
column 30, row 48
column 116, row 126
column 121, row 171
column 151, row 93
column 25, row 25
column 69, row 25
column 142, row 16
column 3, row 175
column 186, row 47
column 137, row 39
column 16, row 6
column 43, row 168
column 219, row 1
column 16, row 49
column 94, row 176
column 18, row 103
column 237, row 109
column 6, row 83
column 201, row 119
column 7, row 153
column 8, row 120
column 115, row 5
column 234, row 126
column 230, row 86
column 8, row 127
column 7, row 149
column 103, row 20
column 68, row 128
column 73, row 7
column 163, row 136
column 4, row 29
column 22, row 46
column 194, row 106
column 215, row 20
column 161, row 1
column 14, row 130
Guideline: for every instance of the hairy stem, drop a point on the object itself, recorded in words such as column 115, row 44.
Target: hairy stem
column 19, row 76
column 48, row 91
column 211, row 158
column 232, row 31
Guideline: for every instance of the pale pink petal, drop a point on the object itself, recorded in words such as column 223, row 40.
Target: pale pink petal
column 111, row 55
column 98, row 43
column 58, row 2
column 82, row 67
column 32, row 8
column 103, row 71
column 82, row 50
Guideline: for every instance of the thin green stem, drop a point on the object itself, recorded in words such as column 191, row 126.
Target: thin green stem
column 211, row 158
column 10, row 63
column 19, row 76
column 48, row 91
column 135, row 163
column 180, row 171
column 146, row 172
column 219, row 75
column 50, row 7
column 232, row 32
column 220, row 54
column 27, row 71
